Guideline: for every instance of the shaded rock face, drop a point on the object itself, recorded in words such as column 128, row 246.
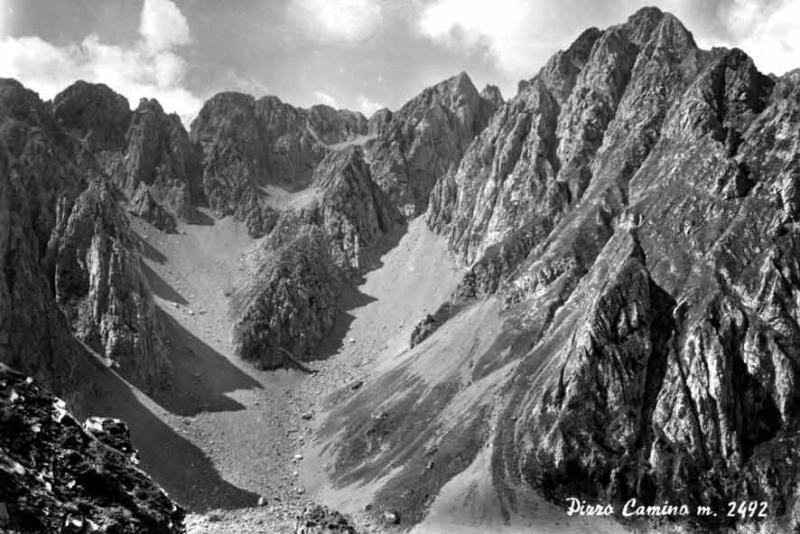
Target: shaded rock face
column 35, row 177
column 144, row 206
column 425, row 139
column 633, row 210
column 292, row 301
column 100, row 286
column 248, row 143
column 160, row 155
column 56, row 477
column 70, row 265
column 350, row 207
column 98, row 114
column 144, row 146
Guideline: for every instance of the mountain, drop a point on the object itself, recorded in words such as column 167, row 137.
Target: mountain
column 626, row 325
column 248, row 144
column 587, row 290
column 426, row 137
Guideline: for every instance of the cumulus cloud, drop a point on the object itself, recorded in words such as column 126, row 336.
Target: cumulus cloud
column 149, row 68
column 163, row 26
column 367, row 106
column 767, row 30
column 345, row 21
column 325, row 98
column 518, row 42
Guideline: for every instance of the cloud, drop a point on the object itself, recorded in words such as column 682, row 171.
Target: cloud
column 367, row 106
column 326, row 99
column 513, row 32
column 767, row 30
column 163, row 26
column 344, row 21
column 149, row 68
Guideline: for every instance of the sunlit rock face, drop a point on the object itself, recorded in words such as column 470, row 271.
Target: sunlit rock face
column 426, row 138
column 632, row 213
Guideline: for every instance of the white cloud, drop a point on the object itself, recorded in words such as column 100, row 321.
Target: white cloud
column 367, row 106
column 348, row 21
column 326, row 99
column 514, row 32
column 149, row 68
column 768, row 31
column 163, row 26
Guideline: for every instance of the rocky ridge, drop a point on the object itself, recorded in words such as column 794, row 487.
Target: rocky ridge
column 425, row 138
column 631, row 211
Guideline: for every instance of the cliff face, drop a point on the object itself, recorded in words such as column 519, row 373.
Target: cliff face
column 248, row 144
column 100, row 286
column 426, row 138
column 56, row 477
column 140, row 149
column 70, row 265
column 629, row 220
column 34, row 336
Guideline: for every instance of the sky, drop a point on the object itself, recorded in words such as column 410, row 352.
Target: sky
column 354, row 54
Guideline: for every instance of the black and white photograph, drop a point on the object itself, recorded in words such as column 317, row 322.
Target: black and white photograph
column 399, row 266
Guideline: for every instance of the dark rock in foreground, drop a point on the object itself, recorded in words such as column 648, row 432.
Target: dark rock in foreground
column 56, row 477
column 322, row 520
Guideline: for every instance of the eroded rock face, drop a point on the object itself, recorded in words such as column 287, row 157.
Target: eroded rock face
column 292, row 301
column 249, row 143
column 100, row 286
column 98, row 114
column 633, row 212
column 56, row 477
column 350, row 207
column 426, row 138
column 141, row 147
column 35, row 177
column 71, row 266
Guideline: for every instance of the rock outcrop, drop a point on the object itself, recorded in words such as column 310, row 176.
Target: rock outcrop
column 319, row 519
column 426, row 138
column 291, row 301
column 101, row 289
column 56, row 477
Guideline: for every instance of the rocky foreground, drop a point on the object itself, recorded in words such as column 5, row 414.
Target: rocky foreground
column 59, row 476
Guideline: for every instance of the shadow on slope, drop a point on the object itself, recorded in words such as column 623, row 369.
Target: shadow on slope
column 180, row 467
column 352, row 297
column 161, row 288
column 201, row 376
